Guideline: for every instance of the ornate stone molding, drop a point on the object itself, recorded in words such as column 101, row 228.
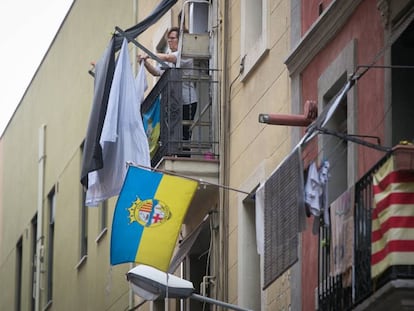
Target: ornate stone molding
column 328, row 25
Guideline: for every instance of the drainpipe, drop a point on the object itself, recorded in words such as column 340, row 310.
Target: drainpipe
column 224, row 158
column 216, row 53
column 39, row 230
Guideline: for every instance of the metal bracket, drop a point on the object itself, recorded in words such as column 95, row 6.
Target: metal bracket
column 153, row 56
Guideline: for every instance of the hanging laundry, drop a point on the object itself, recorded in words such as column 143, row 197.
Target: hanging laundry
column 342, row 236
column 141, row 83
column 323, row 179
column 123, row 137
column 313, row 190
column 92, row 159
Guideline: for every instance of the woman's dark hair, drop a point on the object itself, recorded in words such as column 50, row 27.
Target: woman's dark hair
column 175, row 29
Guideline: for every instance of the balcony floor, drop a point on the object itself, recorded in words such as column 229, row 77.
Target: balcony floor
column 395, row 295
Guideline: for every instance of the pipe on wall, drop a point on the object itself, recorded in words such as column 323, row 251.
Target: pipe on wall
column 224, row 155
column 40, row 192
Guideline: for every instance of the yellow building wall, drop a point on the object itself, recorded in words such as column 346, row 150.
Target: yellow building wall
column 60, row 96
column 1, row 196
column 253, row 145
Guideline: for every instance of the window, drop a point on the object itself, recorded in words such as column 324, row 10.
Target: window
column 192, row 260
column 83, row 224
column 103, row 220
column 249, row 260
column 402, row 90
column 83, row 228
column 103, row 217
column 50, row 246
column 339, row 153
column 254, row 33
column 197, row 265
column 19, row 258
column 33, row 260
column 250, row 242
column 198, row 18
column 334, row 148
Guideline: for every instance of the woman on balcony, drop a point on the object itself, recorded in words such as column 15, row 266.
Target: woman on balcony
column 189, row 95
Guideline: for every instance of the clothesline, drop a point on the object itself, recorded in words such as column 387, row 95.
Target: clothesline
column 201, row 181
column 353, row 139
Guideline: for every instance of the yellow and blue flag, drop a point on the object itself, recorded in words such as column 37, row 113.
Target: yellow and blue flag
column 151, row 122
column 148, row 217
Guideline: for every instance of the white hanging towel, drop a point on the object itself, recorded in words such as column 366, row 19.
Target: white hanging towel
column 313, row 190
column 123, row 137
column 323, row 179
column 141, row 83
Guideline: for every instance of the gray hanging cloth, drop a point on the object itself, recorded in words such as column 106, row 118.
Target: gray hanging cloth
column 139, row 28
column 104, row 71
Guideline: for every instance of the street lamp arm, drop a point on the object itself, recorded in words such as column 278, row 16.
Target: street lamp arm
column 150, row 283
column 217, row 302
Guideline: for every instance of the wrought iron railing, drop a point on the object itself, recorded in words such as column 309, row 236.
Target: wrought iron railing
column 332, row 294
column 169, row 91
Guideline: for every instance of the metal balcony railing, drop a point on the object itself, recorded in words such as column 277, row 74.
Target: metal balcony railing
column 331, row 293
column 169, row 91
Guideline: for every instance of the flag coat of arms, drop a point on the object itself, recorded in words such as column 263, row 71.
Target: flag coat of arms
column 148, row 217
column 392, row 218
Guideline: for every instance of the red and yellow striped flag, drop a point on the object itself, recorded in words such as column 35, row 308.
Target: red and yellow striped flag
column 392, row 218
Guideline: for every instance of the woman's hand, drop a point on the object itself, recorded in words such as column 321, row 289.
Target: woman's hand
column 142, row 57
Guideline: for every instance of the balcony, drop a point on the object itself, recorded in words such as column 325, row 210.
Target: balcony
column 197, row 157
column 393, row 288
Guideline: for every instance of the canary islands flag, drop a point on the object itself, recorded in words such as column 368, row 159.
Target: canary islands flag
column 151, row 122
column 148, row 217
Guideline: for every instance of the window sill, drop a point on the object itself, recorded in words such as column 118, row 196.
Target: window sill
column 48, row 305
column 253, row 57
column 101, row 235
column 81, row 262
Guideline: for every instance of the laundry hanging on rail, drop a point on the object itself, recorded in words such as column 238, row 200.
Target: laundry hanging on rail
column 123, row 137
column 342, row 236
column 92, row 151
column 316, row 190
column 104, row 71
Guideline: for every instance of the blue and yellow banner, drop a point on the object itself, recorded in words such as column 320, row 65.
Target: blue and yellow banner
column 148, row 217
column 151, row 121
